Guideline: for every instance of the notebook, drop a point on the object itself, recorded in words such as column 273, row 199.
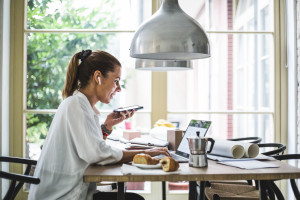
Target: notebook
column 183, row 151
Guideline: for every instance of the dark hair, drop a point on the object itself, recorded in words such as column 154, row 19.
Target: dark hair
column 79, row 75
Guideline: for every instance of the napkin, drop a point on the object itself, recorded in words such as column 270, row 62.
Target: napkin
column 133, row 170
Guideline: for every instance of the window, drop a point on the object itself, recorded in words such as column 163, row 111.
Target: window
column 55, row 30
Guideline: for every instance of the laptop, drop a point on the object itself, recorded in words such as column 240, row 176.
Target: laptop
column 182, row 153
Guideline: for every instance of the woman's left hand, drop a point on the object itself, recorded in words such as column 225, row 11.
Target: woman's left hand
column 115, row 118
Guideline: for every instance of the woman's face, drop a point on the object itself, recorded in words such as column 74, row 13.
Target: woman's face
column 110, row 85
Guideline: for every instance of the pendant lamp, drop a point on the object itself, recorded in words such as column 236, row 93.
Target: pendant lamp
column 163, row 65
column 170, row 34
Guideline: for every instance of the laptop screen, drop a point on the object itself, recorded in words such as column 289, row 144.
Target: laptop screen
column 194, row 126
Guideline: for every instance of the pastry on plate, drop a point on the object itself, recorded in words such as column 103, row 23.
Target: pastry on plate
column 145, row 159
column 169, row 164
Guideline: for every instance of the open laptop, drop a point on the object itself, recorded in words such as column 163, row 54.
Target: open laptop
column 183, row 151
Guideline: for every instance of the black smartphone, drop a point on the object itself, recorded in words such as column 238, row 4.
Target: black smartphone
column 129, row 108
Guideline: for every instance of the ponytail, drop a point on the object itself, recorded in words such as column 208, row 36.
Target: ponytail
column 71, row 77
column 82, row 73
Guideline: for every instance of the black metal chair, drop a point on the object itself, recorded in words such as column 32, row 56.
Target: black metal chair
column 254, row 140
column 272, row 189
column 17, row 180
column 292, row 181
column 277, row 148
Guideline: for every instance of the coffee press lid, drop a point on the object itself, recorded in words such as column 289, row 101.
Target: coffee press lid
column 196, row 137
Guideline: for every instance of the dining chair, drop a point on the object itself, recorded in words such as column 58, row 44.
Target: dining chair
column 240, row 189
column 277, row 148
column 254, row 140
column 292, row 181
column 17, row 180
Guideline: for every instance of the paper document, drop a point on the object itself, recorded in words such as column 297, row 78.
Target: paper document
column 248, row 164
column 260, row 157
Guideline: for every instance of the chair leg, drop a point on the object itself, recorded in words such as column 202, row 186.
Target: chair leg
column 270, row 194
column 295, row 189
column 192, row 190
column 275, row 189
column 10, row 191
column 121, row 191
column 202, row 190
column 262, row 189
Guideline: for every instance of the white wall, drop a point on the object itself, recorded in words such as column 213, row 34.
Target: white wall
column 4, row 86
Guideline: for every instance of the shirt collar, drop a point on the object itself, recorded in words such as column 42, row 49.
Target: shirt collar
column 94, row 110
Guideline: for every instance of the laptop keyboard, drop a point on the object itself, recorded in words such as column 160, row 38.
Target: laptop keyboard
column 176, row 157
column 179, row 158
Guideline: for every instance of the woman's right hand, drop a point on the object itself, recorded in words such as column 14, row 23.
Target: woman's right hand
column 157, row 151
column 115, row 118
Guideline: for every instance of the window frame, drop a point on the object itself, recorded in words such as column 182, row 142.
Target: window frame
column 17, row 107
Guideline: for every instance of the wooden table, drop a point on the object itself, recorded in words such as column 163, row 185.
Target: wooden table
column 214, row 171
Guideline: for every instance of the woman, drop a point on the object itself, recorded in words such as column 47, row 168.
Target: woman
column 75, row 138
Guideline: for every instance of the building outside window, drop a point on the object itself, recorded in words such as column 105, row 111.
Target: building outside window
column 235, row 87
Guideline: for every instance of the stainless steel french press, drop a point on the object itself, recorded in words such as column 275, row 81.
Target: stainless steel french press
column 198, row 152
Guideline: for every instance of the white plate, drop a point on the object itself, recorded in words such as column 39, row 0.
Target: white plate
column 157, row 166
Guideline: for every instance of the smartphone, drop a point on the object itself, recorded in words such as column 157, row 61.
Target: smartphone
column 129, row 108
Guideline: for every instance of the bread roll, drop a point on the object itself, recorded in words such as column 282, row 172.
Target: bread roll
column 169, row 164
column 145, row 159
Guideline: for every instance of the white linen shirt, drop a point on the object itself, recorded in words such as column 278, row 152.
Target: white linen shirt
column 74, row 141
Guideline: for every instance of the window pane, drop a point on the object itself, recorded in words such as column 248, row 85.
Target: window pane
column 36, row 131
column 178, row 186
column 247, row 15
column 135, row 186
column 48, row 56
column 238, row 76
column 232, row 125
column 90, row 14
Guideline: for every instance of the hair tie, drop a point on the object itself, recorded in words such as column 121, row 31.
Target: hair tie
column 83, row 54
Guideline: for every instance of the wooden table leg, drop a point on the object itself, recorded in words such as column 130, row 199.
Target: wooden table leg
column 192, row 190
column 121, row 191
column 262, row 189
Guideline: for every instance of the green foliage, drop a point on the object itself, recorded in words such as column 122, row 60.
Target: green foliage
column 48, row 54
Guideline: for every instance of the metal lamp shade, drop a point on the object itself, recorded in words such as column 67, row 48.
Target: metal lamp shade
column 170, row 34
column 163, row 65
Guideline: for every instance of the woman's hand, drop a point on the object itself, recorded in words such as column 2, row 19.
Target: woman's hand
column 129, row 154
column 115, row 118
column 157, row 151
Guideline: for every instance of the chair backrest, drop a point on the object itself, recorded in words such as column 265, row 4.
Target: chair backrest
column 17, row 180
column 292, row 181
column 248, row 139
column 279, row 148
